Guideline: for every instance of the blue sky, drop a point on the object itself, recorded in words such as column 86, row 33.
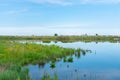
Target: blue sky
column 65, row 17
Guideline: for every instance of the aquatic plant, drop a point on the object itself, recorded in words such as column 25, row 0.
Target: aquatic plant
column 52, row 64
column 14, row 73
column 24, row 53
column 64, row 59
column 14, row 54
column 46, row 76
column 70, row 59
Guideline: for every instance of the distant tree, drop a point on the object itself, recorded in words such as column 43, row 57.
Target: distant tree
column 96, row 34
column 55, row 34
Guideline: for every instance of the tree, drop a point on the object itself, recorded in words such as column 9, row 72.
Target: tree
column 55, row 34
column 96, row 34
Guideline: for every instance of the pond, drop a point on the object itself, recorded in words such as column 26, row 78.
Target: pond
column 101, row 63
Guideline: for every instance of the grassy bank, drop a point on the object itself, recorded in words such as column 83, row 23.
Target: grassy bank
column 14, row 54
column 24, row 53
column 85, row 38
column 14, row 72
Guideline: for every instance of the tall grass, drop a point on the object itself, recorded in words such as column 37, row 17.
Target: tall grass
column 20, row 53
column 14, row 72
column 46, row 76
column 14, row 54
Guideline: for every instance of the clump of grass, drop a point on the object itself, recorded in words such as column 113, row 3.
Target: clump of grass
column 83, row 52
column 64, row 59
column 52, row 64
column 20, row 53
column 70, row 59
column 78, row 50
column 46, row 76
column 14, row 73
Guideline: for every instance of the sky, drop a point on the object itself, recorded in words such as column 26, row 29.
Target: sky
column 64, row 17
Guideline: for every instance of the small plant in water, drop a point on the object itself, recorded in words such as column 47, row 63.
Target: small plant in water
column 52, row 65
column 46, row 76
column 70, row 59
column 65, row 59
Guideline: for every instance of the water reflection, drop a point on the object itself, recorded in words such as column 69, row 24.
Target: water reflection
column 41, row 64
column 84, row 65
column 64, row 41
column 46, row 41
column 68, row 59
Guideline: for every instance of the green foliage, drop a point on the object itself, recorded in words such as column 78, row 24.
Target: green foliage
column 15, row 73
column 14, row 54
column 84, row 38
column 21, row 53
column 55, row 34
column 52, row 65
column 70, row 59
column 64, row 59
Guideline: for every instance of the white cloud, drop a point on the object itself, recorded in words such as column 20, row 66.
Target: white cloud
column 65, row 2
column 71, row 2
column 11, row 12
column 100, row 1
column 71, row 25
column 60, row 2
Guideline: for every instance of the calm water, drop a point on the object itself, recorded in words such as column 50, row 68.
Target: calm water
column 102, row 64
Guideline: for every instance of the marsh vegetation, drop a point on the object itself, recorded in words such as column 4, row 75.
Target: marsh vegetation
column 56, row 37
column 15, row 54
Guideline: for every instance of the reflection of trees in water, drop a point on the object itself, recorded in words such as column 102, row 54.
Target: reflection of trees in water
column 47, row 41
column 96, row 42
column 55, row 41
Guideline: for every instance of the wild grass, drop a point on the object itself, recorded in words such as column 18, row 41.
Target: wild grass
column 70, row 59
column 14, row 72
column 14, row 54
column 25, row 53
column 46, row 76
column 52, row 64
column 63, row 38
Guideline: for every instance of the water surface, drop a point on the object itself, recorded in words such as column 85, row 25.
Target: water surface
column 102, row 64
